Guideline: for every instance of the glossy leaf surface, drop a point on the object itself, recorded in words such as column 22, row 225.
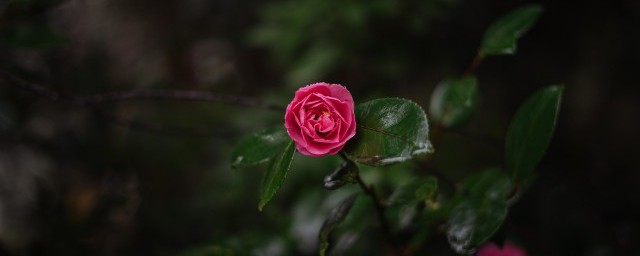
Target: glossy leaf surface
column 479, row 211
column 258, row 147
column 389, row 130
column 473, row 222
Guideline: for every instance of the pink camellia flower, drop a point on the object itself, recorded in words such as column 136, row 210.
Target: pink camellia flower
column 508, row 249
column 320, row 119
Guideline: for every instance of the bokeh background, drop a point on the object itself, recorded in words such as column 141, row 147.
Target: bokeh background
column 153, row 177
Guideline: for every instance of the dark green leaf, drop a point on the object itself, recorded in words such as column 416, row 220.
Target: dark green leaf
column 336, row 216
column 473, row 222
column 353, row 228
column 389, row 130
column 501, row 36
column 453, row 101
column 258, row 147
column 479, row 210
column 530, row 131
column 276, row 173
column 344, row 174
column 491, row 184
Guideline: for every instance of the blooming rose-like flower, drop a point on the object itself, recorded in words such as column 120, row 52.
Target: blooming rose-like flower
column 508, row 249
column 320, row 119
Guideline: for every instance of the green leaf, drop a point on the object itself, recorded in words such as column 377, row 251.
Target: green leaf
column 453, row 101
column 530, row 131
column 389, row 130
column 258, row 147
column 490, row 183
column 501, row 36
column 276, row 173
column 473, row 222
column 479, row 211
column 344, row 174
column 336, row 216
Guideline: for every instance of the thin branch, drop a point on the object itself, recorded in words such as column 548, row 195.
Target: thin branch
column 386, row 229
column 92, row 100
column 379, row 208
column 474, row 64
column 30, row 87
column 189, row 95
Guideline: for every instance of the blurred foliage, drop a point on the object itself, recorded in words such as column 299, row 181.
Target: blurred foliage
column 153, row 177
column 312, row 39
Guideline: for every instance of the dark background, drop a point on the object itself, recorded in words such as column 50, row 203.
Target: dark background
column 153, row 177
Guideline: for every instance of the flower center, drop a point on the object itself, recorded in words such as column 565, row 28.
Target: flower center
column 322, row 121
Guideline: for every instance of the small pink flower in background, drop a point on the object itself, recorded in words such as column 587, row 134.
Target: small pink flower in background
column 508, row 249
column 320, row 119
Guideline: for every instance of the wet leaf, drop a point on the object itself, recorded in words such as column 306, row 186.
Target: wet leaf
column 473, row 222
column 390, row 130
column 479, row 209
column 259, row 147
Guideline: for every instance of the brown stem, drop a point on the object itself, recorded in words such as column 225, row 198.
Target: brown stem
column 474, row 64
column 379, row 208
column 386, row 229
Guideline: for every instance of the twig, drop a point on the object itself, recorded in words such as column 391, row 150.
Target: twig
column 377, row 202
column 92, row 101
column 189, row 95
column 111, row 97
column 474, row 64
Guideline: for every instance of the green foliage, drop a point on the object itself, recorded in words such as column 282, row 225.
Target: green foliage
column 344, row 174
column 501, row 36
column 317, row 38
column 453, row 101
column 390, row 130
column 276, row 173
column 344, row 237
column 480, row 210
column 530, row 132
column 259, row 147
column 428, row 189
column 403, row 203
column 336, row 217
column 311, row 39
